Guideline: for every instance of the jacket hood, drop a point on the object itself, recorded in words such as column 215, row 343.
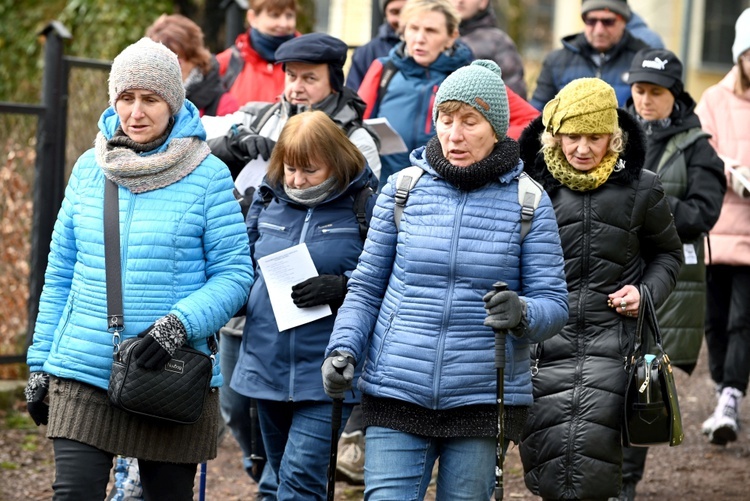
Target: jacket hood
column 187, row 123
column 364, row 178
column 447, row 62
column 418, row 158
column 482, row 19
column 634, row 154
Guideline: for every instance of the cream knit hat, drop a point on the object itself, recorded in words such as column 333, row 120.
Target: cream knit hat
column 151, row 66
column 742, row 35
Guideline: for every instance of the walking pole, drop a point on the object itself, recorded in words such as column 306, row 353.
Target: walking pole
column 339, row 363
column 202, row 491
column 499, row 394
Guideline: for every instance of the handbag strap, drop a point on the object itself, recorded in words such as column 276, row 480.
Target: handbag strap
column 112, row 264
column 647, row 318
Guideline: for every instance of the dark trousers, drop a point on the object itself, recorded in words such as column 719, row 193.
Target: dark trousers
column 633, row 463
column 728, row 325
column 82, row 473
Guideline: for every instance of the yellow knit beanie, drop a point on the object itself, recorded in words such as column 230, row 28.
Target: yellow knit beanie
column 584, row 106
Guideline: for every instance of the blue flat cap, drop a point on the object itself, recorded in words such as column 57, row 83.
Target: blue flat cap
column 313, row 48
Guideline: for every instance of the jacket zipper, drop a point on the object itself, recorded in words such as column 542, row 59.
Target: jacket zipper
column 292, row 336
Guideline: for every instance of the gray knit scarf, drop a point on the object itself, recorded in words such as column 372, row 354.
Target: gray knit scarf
column 311, row 197
column 121, row 161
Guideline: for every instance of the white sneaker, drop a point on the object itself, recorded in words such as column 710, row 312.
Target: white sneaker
column 726, row 417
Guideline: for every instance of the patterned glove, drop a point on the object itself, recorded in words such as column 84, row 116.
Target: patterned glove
column 35, row 392
column 336, row 383
column 159, row 342
column 324, row 289
column 505, row 310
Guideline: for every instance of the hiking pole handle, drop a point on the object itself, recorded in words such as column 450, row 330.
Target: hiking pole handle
column 500, row 376
column 339, row 363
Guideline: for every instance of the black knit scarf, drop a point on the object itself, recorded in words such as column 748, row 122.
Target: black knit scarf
column 503, row 157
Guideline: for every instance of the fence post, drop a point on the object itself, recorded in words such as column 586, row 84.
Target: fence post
column 49, row 182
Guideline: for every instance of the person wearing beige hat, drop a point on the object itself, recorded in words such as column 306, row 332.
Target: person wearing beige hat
column 617, row 233
column 185, row 270
column 724, row 110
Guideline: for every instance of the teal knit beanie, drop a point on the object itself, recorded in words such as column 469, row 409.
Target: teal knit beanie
column 480, row 85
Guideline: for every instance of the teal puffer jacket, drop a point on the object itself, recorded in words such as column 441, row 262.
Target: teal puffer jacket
column 184, row 250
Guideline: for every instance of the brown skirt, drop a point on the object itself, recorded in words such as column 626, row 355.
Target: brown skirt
column 83, row 413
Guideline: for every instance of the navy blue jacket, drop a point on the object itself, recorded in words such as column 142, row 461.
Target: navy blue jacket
column 577, row 60
column 285, row 366
column 380, row 46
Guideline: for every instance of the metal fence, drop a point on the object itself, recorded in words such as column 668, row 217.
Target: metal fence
column 49, row 185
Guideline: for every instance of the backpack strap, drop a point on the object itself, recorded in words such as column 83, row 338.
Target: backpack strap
column 264, row 114
column 678, row 144
column 234, row 68
column 529, row 195
column 389, row 71
column 360, row 210
column 405, row 181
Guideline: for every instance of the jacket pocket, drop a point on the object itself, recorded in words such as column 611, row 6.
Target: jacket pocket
column 65, row 320
column 383, row 342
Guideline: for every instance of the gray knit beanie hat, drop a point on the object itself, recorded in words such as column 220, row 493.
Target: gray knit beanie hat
column 480, row 85
column 151, row 66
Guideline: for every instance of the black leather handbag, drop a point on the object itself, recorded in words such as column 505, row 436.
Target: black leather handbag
column 652, row 412
column 173, row 393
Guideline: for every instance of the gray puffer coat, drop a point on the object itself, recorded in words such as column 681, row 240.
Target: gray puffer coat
column 620, row 233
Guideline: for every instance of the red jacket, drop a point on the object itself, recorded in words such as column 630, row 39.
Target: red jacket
column 521, row 112
column 259, row 80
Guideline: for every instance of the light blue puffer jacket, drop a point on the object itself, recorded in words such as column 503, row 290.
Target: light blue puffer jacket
column 414, row 308
column 184, row 250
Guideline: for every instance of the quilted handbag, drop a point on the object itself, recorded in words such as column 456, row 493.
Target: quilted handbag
column 175, row 393
column 652, row 412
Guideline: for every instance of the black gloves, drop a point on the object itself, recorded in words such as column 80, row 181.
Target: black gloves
column 159, row 342
column 239, row 146
column 505, row 310
column 324, row 289
column 35, row 392
column 338, row 372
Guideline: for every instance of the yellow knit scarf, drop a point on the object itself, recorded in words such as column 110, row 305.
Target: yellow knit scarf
column 574, row 179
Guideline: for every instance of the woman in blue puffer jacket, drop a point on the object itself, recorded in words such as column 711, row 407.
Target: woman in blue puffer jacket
column 421, row 309
column 185, row 271
column 318, row 193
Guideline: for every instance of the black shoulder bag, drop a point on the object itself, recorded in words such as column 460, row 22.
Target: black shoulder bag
column 652, row 412
column 177, row 391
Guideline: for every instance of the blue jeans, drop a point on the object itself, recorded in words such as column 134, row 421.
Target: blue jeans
column 297, row 438
column 398, row 465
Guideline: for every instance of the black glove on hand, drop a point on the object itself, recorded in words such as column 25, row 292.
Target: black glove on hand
column 324, row 289
column 336, row 383
column 159, row 342
column 254, row 146
column 35, row 392
column 505, row 310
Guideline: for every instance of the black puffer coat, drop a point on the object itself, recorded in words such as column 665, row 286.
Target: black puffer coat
column 620, row 233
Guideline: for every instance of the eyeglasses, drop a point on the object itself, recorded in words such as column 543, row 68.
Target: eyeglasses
column 607, row 22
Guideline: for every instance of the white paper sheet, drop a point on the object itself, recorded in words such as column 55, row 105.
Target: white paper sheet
column 251, row 174
column 281, row 271
column 390, row 140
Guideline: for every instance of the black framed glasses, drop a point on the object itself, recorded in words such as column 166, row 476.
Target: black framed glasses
column 607, row 22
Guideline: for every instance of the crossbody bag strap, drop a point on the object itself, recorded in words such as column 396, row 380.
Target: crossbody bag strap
column 113, row 271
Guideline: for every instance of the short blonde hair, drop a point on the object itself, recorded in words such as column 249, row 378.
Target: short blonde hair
column 312, row 137
column 417, row 7
column 616, row 141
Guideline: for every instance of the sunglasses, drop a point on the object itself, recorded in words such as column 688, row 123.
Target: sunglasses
column 607, row 22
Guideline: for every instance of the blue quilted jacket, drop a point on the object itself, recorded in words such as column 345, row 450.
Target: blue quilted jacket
column 414, row 310
column 184, row 250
